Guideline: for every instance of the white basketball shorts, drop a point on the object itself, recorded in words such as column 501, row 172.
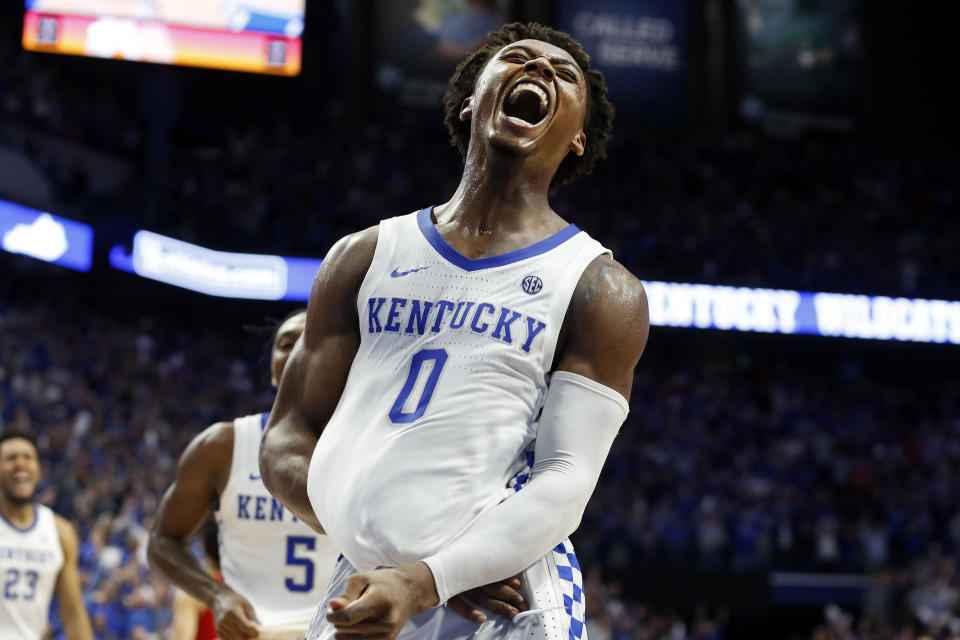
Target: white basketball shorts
column 553, row 587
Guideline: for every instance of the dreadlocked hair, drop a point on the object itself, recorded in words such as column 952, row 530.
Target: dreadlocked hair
column 598, row 120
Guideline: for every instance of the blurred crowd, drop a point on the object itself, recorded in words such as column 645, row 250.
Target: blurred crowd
column 917, row 602
column 113, row 405
column 745, row 466
column 729, row 466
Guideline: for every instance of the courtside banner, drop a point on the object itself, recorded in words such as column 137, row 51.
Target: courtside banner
column 674, row 304
column 46, row 237
column 641, row 48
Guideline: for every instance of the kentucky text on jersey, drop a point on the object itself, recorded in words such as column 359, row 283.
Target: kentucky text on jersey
column 33, row 556
column 416, row 317
column 262, row 508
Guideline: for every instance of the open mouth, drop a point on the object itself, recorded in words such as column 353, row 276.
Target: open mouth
column 526, row 103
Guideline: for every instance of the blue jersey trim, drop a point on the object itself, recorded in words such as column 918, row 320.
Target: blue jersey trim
column 425, row 222
column 36, row 518
column 263, row 420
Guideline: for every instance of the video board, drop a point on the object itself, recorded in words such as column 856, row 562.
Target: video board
column 800, row 63
column 640, row 46
column 260, row 36
column 418, row 43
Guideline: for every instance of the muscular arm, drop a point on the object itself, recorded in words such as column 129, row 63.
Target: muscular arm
column 315, row 374
column 606, row 327
column 201, row 476
column 604, row 335
column 76, row 622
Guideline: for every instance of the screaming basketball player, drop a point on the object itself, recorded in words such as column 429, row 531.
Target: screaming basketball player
column 447, row 349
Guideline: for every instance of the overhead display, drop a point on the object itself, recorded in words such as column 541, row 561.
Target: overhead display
column 799, row 63
column 261, row 36
column 641, row 48
column 418, row 44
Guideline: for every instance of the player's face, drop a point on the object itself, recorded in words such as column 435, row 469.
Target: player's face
column 283, row 343
column 531, row 98
column 19, row 470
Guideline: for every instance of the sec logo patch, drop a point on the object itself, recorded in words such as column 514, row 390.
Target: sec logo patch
column 531, row 284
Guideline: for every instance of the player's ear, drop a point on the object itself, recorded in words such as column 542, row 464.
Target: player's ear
column 579, row 143
column 466, row 111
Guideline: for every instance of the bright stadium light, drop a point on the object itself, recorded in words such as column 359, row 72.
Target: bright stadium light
column 46, row 237
column 215, row 273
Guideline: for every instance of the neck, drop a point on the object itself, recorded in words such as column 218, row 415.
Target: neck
column 498, row 192
column 19, row 514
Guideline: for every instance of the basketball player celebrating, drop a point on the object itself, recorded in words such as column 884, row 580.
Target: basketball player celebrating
column 440, row 344
column 38, row 551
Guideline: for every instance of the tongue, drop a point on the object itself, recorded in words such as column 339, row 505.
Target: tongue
column 525, row 105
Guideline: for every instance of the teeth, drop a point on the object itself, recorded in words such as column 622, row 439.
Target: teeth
column 532, row 87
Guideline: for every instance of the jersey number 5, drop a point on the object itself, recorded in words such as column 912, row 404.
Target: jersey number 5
column 293, row 560
column 439, row 358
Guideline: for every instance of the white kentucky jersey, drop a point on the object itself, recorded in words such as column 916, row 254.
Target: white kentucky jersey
column 30, row 563
column 445, row 390
column 267, row 555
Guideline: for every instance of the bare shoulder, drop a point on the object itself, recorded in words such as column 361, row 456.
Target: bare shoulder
column 332, row 306
column 208, row 458
column 214, row 443
column 66, row 532
column 353, row 252
column 607, row 325
column 607, row 285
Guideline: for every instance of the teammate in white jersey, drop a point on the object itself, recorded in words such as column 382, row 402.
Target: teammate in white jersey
column 274, row 567
column 440, row 346
column 38, row 552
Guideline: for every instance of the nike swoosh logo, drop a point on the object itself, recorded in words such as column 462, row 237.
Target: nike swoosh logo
column 253, row 477
column 397, row 274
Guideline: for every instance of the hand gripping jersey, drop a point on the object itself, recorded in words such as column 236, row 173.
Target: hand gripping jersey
column 30, row 563
column 443, row 396
column 266, row 554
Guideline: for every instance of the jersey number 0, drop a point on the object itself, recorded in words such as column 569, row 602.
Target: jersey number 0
column 439, row 358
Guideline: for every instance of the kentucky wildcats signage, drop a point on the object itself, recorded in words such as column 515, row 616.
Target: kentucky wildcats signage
column 674, row 304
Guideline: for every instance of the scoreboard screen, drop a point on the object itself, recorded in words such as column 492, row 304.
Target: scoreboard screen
column 260, row 36
column 800, row 63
